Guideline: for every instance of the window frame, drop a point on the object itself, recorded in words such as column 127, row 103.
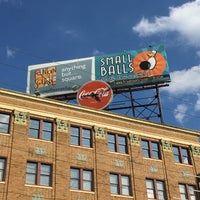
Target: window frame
column 119, row 186
column 116, row 143
column 80, row 137
column 6, row 123
column 38, row 175
column 81, row 181
column 179, row 156
column 187, row 190
column 155, row 190
column 40, row 129
column 2, row 169
column 150, row 150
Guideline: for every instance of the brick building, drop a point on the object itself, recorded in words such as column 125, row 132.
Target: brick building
column 54, row 150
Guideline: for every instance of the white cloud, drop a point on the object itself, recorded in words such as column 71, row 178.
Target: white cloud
column 198, row 53
column 71, row 33
column 184, row 81
column 184, row 20
column 13, row 2
column 10, row 52
column 197, row 104
column 180, row 112
column 97, row 52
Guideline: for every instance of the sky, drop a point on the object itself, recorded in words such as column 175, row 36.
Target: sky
column 34, row 32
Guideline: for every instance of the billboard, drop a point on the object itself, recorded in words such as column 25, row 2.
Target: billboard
column 136, row 67
column 125, row 69
column 59, row 78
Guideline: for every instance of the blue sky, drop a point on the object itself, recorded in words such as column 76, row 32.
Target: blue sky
column 34, row 32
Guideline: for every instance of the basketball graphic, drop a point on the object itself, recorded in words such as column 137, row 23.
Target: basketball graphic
column 149, row 63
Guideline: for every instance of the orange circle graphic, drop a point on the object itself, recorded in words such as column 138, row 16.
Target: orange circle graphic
column 148, row 63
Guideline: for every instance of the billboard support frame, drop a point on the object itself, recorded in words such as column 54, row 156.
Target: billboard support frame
column 145, row 110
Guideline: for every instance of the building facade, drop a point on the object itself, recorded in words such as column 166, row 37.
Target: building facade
column 54, row 150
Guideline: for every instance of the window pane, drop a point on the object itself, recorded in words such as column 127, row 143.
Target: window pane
column 87, row 185
column 4, row 123
column 176, row 154
column 125, row 185
column 160, row 189
column 160, row 185
column 74, row 184
column 114, row 184
column 122, row 144
column 74, row 179
column 182, row 190
column 113, row 189
column 185, row 156
column 31, row 172
column 192, row 192
column 125, row 190
column 4, row 128
column 86, row 137
column 113, row 178
column 111, row 142
column 47, row 126
column 122, row 140
column 87, row 175
column 161, row 195
column 150, row 189
column 150, row 193
column 2, row 168
column 111, row 147
column 47, row 131
column 34, row 133
column 45, row 180
column 155, row 150
column 145, row 149
column 34, row 128
column 87, row 180
column 74, row 135
column 122, row 149
column 47, row 135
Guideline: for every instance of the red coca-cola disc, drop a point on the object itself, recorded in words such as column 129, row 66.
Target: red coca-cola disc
column 95, row 94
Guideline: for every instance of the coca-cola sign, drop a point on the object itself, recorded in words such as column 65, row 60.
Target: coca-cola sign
column 95, row 94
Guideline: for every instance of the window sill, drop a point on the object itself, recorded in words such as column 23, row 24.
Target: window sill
column 160, row 160
column 39, row 186
column 123, row 154
column 82, row 191
column 82, row 147
column 41, row 140
column 183, row 164
column 122, row 196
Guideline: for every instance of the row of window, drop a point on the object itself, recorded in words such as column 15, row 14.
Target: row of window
column 82, row 179
column 83, row 137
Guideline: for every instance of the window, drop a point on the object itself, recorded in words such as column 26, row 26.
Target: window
column 80, row 136
column 81, row 179
column 2, row 168
column 41, row 129
column 38, row 174
column 4, row 123
column 155, row 189
column 117, row 143
column 187, row 192
column 151, row 149
column 120, row 184
column 181, row 155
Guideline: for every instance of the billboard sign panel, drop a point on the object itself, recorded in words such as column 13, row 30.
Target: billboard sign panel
column 137, row 67
column 60, row 77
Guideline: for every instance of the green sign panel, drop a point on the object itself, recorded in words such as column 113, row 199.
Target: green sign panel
column 137, row 67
